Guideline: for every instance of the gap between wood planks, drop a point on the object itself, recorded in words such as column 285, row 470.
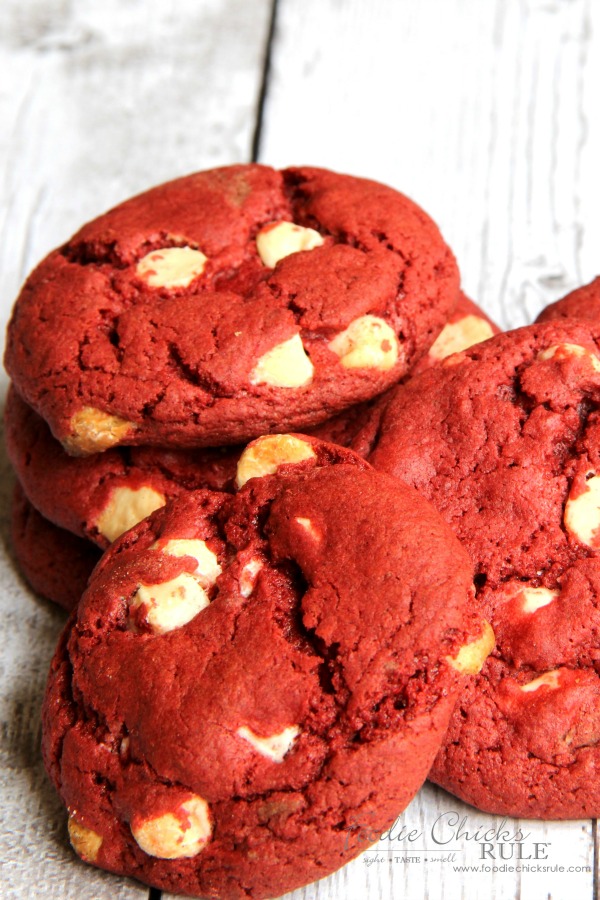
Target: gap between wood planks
column 264, row 87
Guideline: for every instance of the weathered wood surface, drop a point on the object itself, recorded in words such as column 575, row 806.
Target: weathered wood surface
column 485, row 113
column 98, row 100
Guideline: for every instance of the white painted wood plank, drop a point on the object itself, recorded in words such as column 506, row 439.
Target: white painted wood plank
column 485, row 113
column 98, row 100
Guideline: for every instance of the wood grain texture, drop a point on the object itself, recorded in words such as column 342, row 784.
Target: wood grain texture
column 99, row 100
column 485, row 113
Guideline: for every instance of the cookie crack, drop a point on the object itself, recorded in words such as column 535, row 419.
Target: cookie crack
column 93, row 253
column 194, row 376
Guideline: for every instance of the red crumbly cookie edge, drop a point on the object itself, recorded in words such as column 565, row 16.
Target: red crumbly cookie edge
column 54, row 562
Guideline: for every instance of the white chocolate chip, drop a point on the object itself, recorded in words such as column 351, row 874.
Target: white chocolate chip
column 460, row 335
column 367, row 343
column 550, row 679
column 266, row 454
column 85, row 842
column 248, row 576
column 308, row 526
column 536, row 598
column 273, row 747
column 172, row 836
column 170, row 604
column 562, row 351
column 285, row 366
column 125, row 508
column 208, row 568
column 279, row 239
column 171, row 267
column 582, row 514
column 471, row 657
column 93, row 431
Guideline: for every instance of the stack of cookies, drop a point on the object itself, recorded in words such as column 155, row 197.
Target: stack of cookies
column 203, row 314
column 271, row 649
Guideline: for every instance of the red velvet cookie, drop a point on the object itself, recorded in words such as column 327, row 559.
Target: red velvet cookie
column 252, row 680
column 229, row 304
column 56, row 563
column 582, row 303
column 504, row 439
